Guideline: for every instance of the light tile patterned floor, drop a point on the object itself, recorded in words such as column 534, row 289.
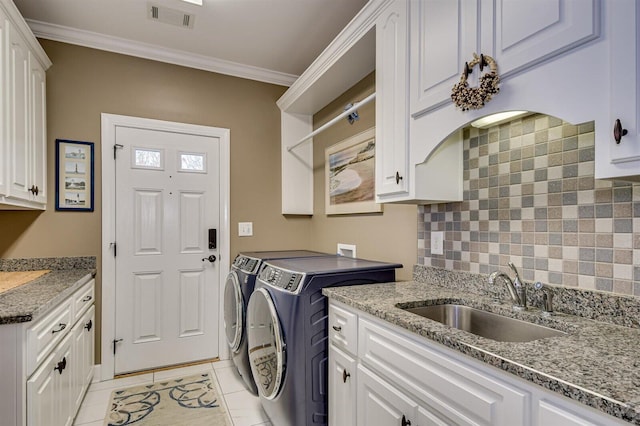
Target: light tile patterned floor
column 244, row 408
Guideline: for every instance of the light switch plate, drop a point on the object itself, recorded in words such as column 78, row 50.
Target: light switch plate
column 245, row 229
column 437, row 242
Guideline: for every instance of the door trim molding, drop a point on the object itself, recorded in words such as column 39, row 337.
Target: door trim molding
column 109, row 123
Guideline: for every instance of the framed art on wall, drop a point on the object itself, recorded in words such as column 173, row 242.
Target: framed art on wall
column 74, row 175
column 350, row 175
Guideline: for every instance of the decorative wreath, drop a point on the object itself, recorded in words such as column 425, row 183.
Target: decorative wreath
column 466, row 97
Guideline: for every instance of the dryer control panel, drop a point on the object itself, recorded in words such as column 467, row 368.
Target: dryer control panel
column 276, row 277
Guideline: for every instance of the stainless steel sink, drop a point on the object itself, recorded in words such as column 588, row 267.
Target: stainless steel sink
column 485, row 324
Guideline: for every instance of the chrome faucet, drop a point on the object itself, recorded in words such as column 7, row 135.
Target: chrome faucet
column 516, row 287
column 547, row 298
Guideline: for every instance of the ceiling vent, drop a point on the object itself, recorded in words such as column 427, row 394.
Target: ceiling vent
column 170, row 16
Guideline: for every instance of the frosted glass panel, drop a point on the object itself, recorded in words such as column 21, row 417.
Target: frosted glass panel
column 193, row 162
column 147, row 159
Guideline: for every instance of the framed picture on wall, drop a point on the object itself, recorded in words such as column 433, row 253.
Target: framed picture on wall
column 74, row 175
column 350, row 175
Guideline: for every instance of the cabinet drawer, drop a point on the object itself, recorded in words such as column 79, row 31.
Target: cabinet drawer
column 83, row 299
column 450, row 388
column 343, row 329
column 45, row 334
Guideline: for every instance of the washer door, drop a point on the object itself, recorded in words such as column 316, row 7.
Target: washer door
column 233, row 311
column 266, row 344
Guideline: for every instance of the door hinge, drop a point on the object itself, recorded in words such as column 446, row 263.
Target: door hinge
column 116, row 147
column 114, row 246
column 115, row 345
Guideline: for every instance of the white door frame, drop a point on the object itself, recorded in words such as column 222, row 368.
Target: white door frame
column 109, row 124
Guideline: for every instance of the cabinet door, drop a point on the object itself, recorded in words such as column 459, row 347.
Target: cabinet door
column 444, row 35
column 622, row 159
column 4, row 107
column 551, row 414
column 342, row 388
column 83, row 340
column 19, row 178
column 48, row 389
column 526, row 33
column 391, row 100
column 38, row 119
column 42, row 394
column 380, row 404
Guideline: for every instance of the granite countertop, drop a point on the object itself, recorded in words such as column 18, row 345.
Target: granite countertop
column 27, row 302
column 596, row 363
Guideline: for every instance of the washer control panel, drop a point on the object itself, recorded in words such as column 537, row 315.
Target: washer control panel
column 246, row 264
column 281, row 278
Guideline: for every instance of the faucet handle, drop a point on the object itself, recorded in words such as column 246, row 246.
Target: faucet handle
column 515, row 270
column 547, row 298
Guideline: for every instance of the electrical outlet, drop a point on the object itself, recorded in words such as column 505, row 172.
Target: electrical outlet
column 347, row 250
column 245, row 229
column 437, row 242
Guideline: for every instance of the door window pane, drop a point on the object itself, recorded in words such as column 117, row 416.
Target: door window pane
column 193, row 162
column 145, row 158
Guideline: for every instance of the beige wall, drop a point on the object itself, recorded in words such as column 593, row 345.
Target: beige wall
column 82, row 83
column 388, row 236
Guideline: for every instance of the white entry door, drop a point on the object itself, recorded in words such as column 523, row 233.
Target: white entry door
column 167, row 285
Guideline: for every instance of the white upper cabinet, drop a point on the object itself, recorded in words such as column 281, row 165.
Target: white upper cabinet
column 4, row 148
column 392, row 125
column 18, row 123
column 517, row 34
column 621, row 158
column 528, row 32
column 444, row 35
column 23, row 165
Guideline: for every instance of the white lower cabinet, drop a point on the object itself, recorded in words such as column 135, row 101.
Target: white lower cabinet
column 55, row 391
column 342, row 381
column 49, row 363
column 83, row 346
column 402, row 379
column 48, row 388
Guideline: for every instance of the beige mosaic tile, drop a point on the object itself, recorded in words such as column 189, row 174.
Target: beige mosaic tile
column 530, row 196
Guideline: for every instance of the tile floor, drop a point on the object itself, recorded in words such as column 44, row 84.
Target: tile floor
column 243, row 407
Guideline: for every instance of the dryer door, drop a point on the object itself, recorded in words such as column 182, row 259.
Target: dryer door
column 233, row 311
column 266, row 344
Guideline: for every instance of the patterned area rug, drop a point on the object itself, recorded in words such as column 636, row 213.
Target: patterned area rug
column 192, row 401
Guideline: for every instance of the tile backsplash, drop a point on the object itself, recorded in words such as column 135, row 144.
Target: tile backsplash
column 530, row 197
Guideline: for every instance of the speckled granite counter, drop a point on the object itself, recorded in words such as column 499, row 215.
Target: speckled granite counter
column 24, row 303
column 597, row 363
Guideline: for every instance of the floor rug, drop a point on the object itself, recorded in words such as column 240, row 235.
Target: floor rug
column 191, row 401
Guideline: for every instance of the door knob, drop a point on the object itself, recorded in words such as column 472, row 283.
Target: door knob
column 211, row 258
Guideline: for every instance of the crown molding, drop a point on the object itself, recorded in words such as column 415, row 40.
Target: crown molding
column 157, row 53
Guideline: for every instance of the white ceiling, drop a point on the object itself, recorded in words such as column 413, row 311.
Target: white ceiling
column 266, row 40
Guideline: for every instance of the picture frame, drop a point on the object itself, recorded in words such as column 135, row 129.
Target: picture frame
column 74, row 175
column 350, row 175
